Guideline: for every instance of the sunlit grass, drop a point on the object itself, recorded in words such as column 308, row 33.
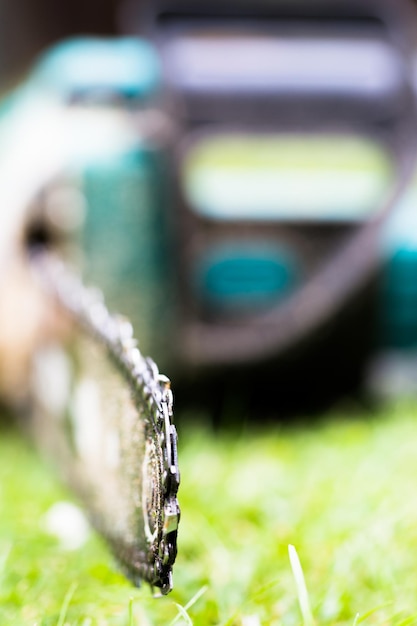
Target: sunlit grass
column 342, row 492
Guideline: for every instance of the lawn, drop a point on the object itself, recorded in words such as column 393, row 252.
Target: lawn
column 342, row 491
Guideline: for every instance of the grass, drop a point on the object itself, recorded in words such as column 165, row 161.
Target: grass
column 342, row 492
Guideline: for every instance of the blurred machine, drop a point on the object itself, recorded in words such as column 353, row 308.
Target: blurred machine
column 255, row 216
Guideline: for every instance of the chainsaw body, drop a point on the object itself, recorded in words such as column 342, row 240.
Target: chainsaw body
column 257, row 145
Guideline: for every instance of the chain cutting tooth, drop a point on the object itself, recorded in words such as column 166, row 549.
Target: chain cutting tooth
column 170, row 517
column 164, row 382
column 125, row 329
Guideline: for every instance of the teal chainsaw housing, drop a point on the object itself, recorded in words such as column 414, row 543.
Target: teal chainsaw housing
column 398, row 290
column 126, row 238
column 123, row 242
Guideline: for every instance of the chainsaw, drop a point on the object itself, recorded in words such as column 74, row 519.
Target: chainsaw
column 237, row 179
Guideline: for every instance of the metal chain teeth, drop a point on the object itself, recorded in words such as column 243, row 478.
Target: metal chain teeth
column 150, row 388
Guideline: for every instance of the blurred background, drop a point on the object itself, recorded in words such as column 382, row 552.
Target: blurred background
column 27, row 27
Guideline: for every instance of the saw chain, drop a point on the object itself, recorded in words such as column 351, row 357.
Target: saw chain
column 129, row 475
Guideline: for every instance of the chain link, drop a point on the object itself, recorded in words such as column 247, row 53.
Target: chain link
column 152, row 397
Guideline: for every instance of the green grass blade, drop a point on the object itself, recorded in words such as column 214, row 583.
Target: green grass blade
column 301, row 586
column 182, row 613
column 65, row 604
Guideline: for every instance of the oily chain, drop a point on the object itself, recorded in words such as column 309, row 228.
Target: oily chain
column 149, row 388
